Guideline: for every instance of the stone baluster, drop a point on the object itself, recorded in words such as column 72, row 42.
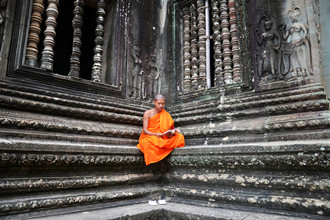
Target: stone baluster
column 194, row 47
column 225, row 36
column 218, row 78
column 186, row 49
column 47, row 58
column 234, row 41
column 31, row 56
column 201, row 43
column 77, row 24
column 98, row 49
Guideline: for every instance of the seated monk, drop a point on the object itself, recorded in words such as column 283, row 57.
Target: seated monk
column 156, row 141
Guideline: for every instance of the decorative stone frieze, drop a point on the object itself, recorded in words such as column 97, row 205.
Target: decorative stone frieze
column 56, row 160
column 61, row 201
column 316, row 158
column 46, row 183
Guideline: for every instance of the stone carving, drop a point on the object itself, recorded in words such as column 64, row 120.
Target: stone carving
column 234, row 42
column 98, row 49
column 186, row 49
column 136, row 73
column 217, row 43
column 270, row 42
column 152, row 78
column 31, row 56
column 47, row 58
column 201, row 44
column 73, row 182
column 280, row 161
column 225, row 36
column 34, row 159
column 194, row 47
column 300, row 55
column 77, row 24
column 65, row 201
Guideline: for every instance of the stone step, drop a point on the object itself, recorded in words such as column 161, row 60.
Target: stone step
column 171, row 211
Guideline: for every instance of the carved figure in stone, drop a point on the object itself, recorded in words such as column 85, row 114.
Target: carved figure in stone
column 3, row 4
column 269, row 41
column 154, row 77
column 136, row 73
column 296, row 35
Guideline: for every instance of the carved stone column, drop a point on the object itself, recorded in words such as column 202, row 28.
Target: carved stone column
column 77, row 24
column 47, row 59
column 218, row 79
column 201, row 43
column 98, row 49
column 234, row 41
column 194, row 47
column 225, row 36
column 31, row 56
column 186, row 49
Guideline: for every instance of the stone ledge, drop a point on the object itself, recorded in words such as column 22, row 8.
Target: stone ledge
column 172, row 210
column 19, row 89
column 36, row 202
column 59, row 110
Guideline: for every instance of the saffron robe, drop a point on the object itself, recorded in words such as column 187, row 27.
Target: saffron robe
column 157, row 148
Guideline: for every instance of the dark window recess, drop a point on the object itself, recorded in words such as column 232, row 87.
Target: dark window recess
column 64, row 38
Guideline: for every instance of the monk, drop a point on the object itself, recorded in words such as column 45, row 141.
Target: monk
column 158, row 138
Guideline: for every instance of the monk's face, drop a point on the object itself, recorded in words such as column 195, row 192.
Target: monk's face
column 159, row 104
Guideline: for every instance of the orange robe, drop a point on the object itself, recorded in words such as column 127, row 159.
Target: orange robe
column 155, row 148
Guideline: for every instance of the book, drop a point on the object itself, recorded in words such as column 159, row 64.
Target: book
column 171, row 132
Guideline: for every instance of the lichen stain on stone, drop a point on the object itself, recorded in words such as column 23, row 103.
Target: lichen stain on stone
column 252, row 200
column 239, row 179
column 202, row 178
column 186, row 176
column 193, row 191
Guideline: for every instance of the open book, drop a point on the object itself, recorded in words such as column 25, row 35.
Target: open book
column 171, row 132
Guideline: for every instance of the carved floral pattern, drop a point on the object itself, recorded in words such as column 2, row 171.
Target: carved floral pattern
column 33, row 159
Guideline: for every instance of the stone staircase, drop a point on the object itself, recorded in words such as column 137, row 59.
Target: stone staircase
column 249, row 155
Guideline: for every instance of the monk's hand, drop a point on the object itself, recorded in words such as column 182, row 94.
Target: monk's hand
column 170, row 134
column 159, row 135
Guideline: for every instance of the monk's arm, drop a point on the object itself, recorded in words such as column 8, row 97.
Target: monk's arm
column 146, row 117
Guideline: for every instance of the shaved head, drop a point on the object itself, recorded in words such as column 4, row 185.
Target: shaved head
column 159, row 96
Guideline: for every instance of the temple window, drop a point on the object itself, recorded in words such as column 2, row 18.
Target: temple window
column 211, row 47
column 57, row 31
